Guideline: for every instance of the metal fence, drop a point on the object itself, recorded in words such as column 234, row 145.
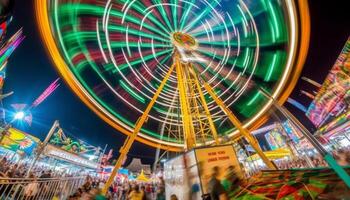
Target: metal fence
column 43, row 189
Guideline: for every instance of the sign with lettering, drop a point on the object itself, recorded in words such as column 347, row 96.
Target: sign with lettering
column 220, row 156
column 187, row 176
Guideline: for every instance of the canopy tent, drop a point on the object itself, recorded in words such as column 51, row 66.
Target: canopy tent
column 142, row 177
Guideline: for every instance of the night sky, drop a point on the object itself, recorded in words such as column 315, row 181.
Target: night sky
column 30, row 71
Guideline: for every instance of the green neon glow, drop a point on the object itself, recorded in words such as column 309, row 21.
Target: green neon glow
column 256, row 96
column 135, row 32
column 274, row 19
column 245, row 24
column 130, row 91
column 75, row 40
column 185, row 14
column 271, row 68
column 138, row 61
column 246, row 56
column 162, row 11
column 66, row 9
column 206, row 11
column 174, row 11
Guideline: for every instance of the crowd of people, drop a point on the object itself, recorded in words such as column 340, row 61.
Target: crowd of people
column 342, row 156
column 12, row 169
column 128, row 190
column 133, row 190
column 9, row 169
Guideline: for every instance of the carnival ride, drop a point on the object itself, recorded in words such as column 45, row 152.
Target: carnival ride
column 178, row 74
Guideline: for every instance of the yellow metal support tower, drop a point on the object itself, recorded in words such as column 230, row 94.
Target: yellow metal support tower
column 193, row 109
column 188, row 128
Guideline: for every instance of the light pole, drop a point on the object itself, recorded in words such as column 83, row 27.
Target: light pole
column 42, row 146
column 314, row 142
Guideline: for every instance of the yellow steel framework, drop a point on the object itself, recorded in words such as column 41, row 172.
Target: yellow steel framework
column 188, row 128
column 196, row 118
column 207, row 127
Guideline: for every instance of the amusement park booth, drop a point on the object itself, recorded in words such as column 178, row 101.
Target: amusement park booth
column 187, row 176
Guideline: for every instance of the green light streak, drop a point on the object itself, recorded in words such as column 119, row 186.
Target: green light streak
column 274, row 19
column 131, row 91
column 253, row 99
column 272, row 32
column 66, row 10
column 184, row 17
column 77, row 41
column 246, row 56
column 135, row 44
column 164, row 14
column 206, row 11
column 271, row 68
column 123, row 29
column 92, row 93
column 245, row 24
column 138, row 61
column 174, row 12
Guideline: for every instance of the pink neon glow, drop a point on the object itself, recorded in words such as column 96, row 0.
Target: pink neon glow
column 47, row 92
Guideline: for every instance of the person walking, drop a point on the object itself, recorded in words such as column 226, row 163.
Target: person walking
column 215, row 189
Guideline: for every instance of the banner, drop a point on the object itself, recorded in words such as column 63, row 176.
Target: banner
column 20, row 142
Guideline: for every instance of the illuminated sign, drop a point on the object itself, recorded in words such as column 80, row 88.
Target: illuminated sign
column 18, row 141
column 72, row 158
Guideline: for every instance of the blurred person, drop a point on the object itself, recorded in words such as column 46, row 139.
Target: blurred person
column 135, row 193
column 32, row 188
column 173, row 197
column 215, row 189
column 148, row 191
column 99, row 195
column 143, row 191
column 342, row 158
column 231, row 180
column 160, row 193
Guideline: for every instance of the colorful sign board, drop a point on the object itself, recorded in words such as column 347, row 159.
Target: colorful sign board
column 334, row 96
column 18, row 141
column 341, row 124
column 76, row 146
column 292, row 131
column 274, row 139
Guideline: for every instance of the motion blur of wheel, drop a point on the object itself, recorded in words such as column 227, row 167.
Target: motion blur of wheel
column 114, row 54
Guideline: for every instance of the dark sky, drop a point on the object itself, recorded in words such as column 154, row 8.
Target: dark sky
column 30, row 71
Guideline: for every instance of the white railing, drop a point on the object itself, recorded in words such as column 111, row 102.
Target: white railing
column 30, row 189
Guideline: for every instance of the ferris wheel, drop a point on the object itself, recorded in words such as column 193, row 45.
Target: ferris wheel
column 116, row 55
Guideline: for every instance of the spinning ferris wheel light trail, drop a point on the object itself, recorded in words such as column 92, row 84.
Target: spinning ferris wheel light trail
column 195, row 65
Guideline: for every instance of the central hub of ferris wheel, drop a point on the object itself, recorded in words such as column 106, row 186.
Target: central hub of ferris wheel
column 184, row 41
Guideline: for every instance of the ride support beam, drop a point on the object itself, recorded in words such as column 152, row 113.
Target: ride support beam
column 131, row 138
column 184, row 105
column 205, row 106
column 250, row 138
